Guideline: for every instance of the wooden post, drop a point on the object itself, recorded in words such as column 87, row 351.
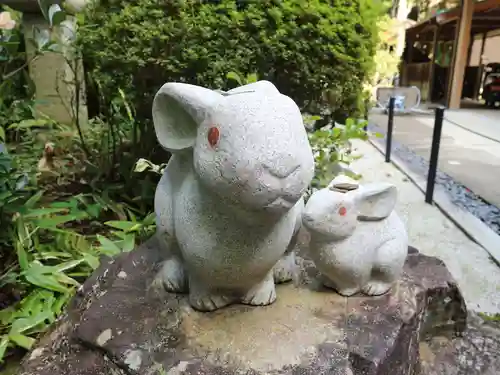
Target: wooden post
column 480, row 70
column 433, row 63
column 460, row 49
column 409, row 56
column 469, row 51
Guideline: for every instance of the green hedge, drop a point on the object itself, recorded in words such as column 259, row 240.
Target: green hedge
column 306, row 47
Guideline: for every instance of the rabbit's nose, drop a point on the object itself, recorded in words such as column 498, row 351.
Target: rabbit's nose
column 281, row 170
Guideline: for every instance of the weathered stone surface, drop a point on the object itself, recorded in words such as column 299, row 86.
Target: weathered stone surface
column 130, row 320
column 58, row 352
column 476, row 353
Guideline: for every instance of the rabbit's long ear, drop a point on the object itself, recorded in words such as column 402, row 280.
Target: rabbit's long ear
column 178, row 109
column 259, row 86
column 376, row 201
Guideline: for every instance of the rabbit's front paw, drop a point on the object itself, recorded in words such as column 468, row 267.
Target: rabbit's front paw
column 262, row 294
column 173, row 276
column 376, row 288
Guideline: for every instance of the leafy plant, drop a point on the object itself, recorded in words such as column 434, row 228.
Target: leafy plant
column 55, row 230
column 144, row 165
column 250, row 78
column 304, row 47
column 331, row 147
column 53, row 258
column 490, row 317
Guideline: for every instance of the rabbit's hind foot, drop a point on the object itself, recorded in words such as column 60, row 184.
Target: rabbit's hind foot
column 346, row 291
column 376, row 288
column 261, row 294
column 283, row 270
column 209, row 302
column 203, row 299
column 173, row 276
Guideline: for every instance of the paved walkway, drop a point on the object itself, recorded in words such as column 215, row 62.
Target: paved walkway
column 434, row 234
column 469, row 158
column 485, row 122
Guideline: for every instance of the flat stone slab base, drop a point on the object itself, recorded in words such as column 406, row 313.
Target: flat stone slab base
column 123, row 322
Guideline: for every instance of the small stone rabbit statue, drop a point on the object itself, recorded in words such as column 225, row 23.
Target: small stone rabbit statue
column 358, row 242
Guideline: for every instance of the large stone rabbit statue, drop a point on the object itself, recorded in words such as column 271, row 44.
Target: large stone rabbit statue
column 229, row 203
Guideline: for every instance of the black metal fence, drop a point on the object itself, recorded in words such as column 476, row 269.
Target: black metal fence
column 436, row 142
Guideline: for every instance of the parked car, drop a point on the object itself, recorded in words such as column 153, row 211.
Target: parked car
column 491, row 85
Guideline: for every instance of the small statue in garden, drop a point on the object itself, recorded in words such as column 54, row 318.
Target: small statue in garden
column 358, row 242
column 229, row 203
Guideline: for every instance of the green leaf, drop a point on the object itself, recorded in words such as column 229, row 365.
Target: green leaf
column 42, row 276
column 64, row 279
column 12, row 44
column 7, row 316
column 4, row 196
column 43, row 211
column 26, row 124
column 2, row 134
column 149, row 220
column 94, row 210
column 53, row 222
column 235, row 77
column 142, row 165
column 34, row 319
column 68, row 265
column 4, row 344
column 56, row 15
column 41, row 37
column 128, row 243
column 68, row 204
column 92, row 261
column 48, row 255
column 30, row 203
column 22, row 257
column 252, row 78
column 108, row 245
column 44, row 7
column 22, row 341
column 127, row 226
column 60, row 302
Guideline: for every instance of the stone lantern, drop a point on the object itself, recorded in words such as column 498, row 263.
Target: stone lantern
column 51, row 72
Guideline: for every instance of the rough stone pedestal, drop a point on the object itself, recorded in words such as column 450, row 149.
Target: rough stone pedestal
column 122, row 322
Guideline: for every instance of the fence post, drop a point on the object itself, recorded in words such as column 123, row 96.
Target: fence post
column 390, row 126
column 366, row 104
column 433, row 162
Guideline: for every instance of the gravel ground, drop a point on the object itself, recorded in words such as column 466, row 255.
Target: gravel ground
column 459, row 194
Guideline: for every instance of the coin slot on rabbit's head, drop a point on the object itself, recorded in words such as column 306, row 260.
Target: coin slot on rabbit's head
column 343, row 184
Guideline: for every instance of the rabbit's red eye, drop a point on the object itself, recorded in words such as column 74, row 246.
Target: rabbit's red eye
column 213, row 136
column 342, row 211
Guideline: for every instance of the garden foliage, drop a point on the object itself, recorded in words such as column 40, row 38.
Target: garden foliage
column 56, row 227
column 318, row 52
